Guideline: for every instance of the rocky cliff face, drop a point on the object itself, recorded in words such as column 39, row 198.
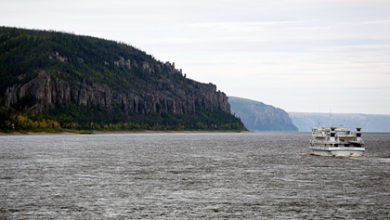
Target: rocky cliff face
column 84, row 82
column 258, row 116
column 162, row 96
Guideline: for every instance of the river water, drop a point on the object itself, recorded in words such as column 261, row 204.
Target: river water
column 189, row 175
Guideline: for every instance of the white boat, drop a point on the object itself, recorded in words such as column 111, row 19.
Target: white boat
column 337, row 142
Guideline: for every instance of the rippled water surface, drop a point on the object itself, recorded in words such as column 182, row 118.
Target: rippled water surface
column 189, row 175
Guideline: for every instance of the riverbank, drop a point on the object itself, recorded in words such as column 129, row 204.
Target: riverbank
column 70, row 131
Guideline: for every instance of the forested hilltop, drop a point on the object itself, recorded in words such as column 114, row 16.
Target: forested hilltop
column 56, row 81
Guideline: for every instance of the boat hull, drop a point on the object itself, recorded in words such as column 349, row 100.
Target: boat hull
column 338, row 151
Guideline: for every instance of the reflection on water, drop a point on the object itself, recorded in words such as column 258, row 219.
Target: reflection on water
column 189, row 175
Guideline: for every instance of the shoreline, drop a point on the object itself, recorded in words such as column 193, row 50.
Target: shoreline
column 93, row 132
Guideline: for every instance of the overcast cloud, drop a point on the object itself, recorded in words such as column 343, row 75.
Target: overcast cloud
column 300, row 55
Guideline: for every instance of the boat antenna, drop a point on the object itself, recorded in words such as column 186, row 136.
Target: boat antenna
column 330, row 116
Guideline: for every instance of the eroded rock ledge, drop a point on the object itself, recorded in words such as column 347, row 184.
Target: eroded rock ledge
column 164, row 96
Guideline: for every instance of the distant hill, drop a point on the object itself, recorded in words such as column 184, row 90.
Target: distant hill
column 59, row 80
column 369, row 123
column 258, row 116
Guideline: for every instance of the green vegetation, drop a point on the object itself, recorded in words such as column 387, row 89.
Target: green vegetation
column 71, row 57
column 80, row 118
column 75, row 59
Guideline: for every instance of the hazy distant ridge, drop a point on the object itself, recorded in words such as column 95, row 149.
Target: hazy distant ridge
column 368, row 122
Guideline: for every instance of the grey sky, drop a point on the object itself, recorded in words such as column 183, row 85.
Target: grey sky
column 300, row 55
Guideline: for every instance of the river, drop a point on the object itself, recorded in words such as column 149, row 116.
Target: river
column 189, row 175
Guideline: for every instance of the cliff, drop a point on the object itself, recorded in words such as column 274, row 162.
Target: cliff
column 79, row 81
column 258, row 116
column 163, row 97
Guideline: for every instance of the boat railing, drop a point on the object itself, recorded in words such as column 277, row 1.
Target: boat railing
column 352, row 135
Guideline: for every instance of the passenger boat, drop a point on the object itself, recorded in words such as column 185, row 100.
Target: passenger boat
column 336, row 142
